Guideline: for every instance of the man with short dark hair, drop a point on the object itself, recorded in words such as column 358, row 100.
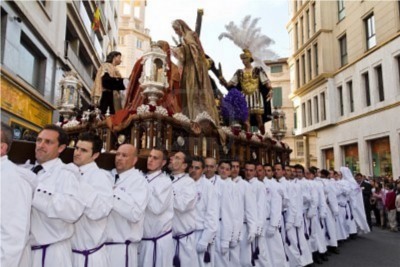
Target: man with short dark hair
column 125, row 222
column 156, row 248
column 367, row 194
column 57, row 201
column 207, row 213
column 16, row 200
column 184, row 221
column 90, row 230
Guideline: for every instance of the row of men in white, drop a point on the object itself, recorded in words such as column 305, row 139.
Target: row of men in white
column 84, row 216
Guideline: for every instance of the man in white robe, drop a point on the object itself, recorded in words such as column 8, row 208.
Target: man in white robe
column 241, row 254
column 225, row 213
column 90, row 230
column 184, row 220
column 275, row 248
column 57, row 202
column 156, row 248
column 130, row 198
column 207, row 214
column 16, row 201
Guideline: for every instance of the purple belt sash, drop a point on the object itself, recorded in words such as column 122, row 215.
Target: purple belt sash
column 126, row 243
column 351, row 210
column 177, row 261
column 87, row 252
column 44, row 249
column 154, row 240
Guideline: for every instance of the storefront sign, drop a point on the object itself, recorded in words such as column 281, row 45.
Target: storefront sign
column 23, row 105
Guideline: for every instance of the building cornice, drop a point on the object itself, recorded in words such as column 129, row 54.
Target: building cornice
column 317, row 81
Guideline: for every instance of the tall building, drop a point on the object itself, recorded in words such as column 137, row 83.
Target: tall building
column 279, row 76
column 133, row 37
column 345, row 68
column 40, row 42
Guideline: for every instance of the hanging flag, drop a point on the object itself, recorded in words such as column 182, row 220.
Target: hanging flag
column 96, row 20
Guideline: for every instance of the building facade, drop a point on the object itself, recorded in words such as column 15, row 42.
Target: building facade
column 40, row 42
column 345, row 68
column 133, row 37
column 302, row 146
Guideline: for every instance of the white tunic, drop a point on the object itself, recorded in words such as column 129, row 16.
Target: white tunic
column 225, row 228
column 247, row 214
column 57, row 204
column 125, row 222
column 16, row 200
column 342, row 192
column 184, row 221
column 332, row 212
column 206, row 219
column 158, row 222
column 90, row 229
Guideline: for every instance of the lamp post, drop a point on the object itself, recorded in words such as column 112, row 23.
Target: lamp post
column 154, row 79
column 70, row 95
column 278, row 127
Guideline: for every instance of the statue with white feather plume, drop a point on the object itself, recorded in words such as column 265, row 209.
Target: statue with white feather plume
column 252, row 80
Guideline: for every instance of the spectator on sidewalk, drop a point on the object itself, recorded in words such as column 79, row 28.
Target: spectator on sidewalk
column 391, row 208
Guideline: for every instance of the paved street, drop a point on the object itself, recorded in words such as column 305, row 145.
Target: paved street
column 379, row 248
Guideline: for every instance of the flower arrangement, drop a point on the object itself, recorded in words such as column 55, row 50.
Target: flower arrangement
column 234, row 107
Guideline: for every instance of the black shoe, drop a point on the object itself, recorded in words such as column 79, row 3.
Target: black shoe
column 353, row 236
column 335, row 250
column 324, row 257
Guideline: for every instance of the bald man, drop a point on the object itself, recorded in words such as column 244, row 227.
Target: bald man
column 125, row 222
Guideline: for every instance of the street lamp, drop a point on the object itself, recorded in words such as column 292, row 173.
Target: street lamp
column 278, row 127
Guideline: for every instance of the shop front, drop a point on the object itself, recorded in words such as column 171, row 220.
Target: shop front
column 381, row 157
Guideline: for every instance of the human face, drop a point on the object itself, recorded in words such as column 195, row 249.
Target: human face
column 278, row 171
column 117, row 60
column 224, row 170
column 299, row 173
column 196, row 170
column 47, row 146
column 338, row 176
column 309, row 175
column 331, row 174
column 177, row 30
column 359, row 178
column 155, row 161
column 177, row 163
column 210, row 167
column 268, row 171
column 83, row 153
column 249, row 171
column 289, row 173
column 235, row 169
column 260, row 172
column 126, row 158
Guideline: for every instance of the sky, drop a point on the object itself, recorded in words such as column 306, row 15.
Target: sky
column 274, row 16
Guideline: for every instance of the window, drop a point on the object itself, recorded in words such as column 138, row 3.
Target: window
column 398, row 70
column 323, row 107
column 316, row 109
column 126, row 11
column 277, row 97
column 365, row 78
column 297, row 73
column 276, row 68
column 296, row 37
column 309, row 112
column 302, row 30
column 309, row 62
column 316, row 60
column 303, row 68
column 120, row 40
column 31, row 63
column 341, row 12
column 313, row 17
column 308, row 24
column 295, row 117
column 340, row 95
column 351, row 97
column 139, row 43
column 343, row 50
column 303, row 114
column 300, row 149
column 370, row 31
column 379, row 82
column 3, row 26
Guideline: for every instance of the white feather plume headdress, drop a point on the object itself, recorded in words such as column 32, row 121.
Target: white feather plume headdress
column 248, row 36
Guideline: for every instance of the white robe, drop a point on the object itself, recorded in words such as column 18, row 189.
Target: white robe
column 90, row 229
column 247, row 214
column 356, row 201
column 206, row 219
column 158, row 222
column 57, row 204
column 275, row 249
column 184, row 220
column 342, row 228
column 16, row 200
column 226, row 212
column 318, row 234
column 125, row 222
column 332, row 212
